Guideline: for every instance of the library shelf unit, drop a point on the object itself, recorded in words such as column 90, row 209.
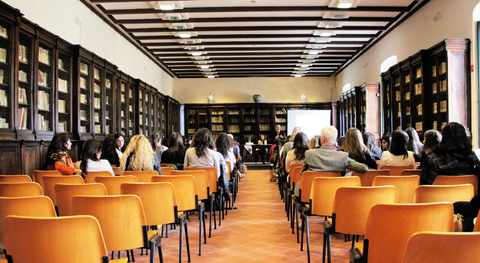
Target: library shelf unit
column 245, row 121
column 429, row 89
column 50, row 86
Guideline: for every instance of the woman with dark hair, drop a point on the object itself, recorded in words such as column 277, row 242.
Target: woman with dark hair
column 297, row 154
column 431, row 141
column 157, row 146
column 356, row 149
column 201, row 153
column 398, row 155
column 57, row 156
column 386, row 139
column 176, row 151
column 91, row 161
column 139, row 156
column 224, row 147
column 454, row 156
column 369, row 140
column 414, row 143
column 120, row 143
column 109, row 151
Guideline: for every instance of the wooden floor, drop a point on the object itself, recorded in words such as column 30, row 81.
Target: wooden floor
column 258, row 231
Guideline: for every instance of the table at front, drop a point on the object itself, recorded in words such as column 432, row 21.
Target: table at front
column 254, row 152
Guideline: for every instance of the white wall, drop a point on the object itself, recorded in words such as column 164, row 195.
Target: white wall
column 239, row 90
column 57, row 16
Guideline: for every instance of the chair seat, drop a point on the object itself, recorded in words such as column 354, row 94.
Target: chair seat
column 120, row 260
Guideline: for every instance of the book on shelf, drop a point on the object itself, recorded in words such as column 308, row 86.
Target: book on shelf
column 3, row 55
column 130, row 108
column 22, row 96
column 22, row 76
column 419, row 126
column 22, row 54
column 22, row 118
column 83, row 115
column 443, row 125
column 4, row 123
column 407, row 79
column 44, row 55
column 434, row 88
column 42, row 78
column 434, row 125
column 419, row 109
column 3, row 98
column 2, row 74
column 434, row 105
column 107, row 115
column 443, row 85
column 130, row 93
column 140, row 121
column 84, row 69
column 407, row 96
column 98, row 128
column 443, row 106
column 96, row 88
column 397, row 95
column 83, row 83
column 122, row 113
column 123, row 123
column 83, row 99
column 62, row 126
column 419, row 72
column 97, row 103
column 122, row 97
column 43, row 124
column 443, row 67
column 3, row 32
column 434, row 71
column 96, row 73
column 397, row 82
column 61, row 65
column 62, row 106
column 399, row 110
column 122, row 87
column 418, row 88
column 43, row 100
column 108, row 84
column 63, row 85
column 83, row 129
column 107, row 129
column 407, row 111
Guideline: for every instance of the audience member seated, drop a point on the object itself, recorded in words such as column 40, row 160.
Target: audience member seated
column 175, row 153
column 222, row 144
column 288, row 146
column 91, row 161
column 454, row 156
column 57, row 156
column 297, row 155
column 386, row 139
column 261, row 151
column 109, row 151
column 340, row 141
column 398, row 155
column 201, row 153
column 414, row 143
column 139, row 156
column 314, row 143
column 157, row 138
column 236, row 152
column 120, row 143
column 369, row 140
column 431, row 141
column 356, row 149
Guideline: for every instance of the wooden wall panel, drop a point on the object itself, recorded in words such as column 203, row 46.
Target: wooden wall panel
column 11, row 158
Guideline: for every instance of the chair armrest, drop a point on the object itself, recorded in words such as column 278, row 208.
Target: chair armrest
column 155, row 239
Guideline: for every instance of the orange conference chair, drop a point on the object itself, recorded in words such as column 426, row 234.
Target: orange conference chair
column 117, row 170
column 350, row 211
column 160, row 206
column 458, row 179
column 113, row 183
column 122, row 220
column 90, row 177
column 294, row 177
column 389, row 227
column 20, row 189
column 38, row 175
column 405, row 184
column 21, row 178
column 64, row 194
column 85, row 240
column 368, row 176
column 167, row 170
column 49, row 182
column 443, row 193
column 412, row 172
column 142, row 176
column 430, row 246
column 396, row 170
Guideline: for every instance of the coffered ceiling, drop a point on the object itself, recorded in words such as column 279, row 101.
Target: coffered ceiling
column 254, row 38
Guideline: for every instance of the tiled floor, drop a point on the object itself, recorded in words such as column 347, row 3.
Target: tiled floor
column 257, row 231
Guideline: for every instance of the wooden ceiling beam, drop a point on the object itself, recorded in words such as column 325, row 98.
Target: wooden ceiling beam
column 254, row 36
column 255, row 28
column 157, row 51
column 237, row 43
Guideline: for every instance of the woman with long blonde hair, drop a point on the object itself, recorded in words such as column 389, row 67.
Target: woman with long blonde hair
column 356, row 148
column 139, row 156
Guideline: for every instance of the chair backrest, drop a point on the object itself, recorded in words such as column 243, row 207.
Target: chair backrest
column 158, row 199
column 20, row 189
column 294, row 175
column 306, row 182
column 458, row 179
column 23, row 206
column 411, row 172
column 90, row 177
column 368, row 176
column 185, row 190
column 121, row 218
column 352, row 205
column 229, row 171
column 142, row 176
column 20, row 178
column 389, row 227
column 443, row 193
column 167, row 164
column 167, row 170
column 201, row 180
column 405, row 184
column 295, row 165
column 323, row 192
column 212, row 176
column 50, row 240
column 64, row 194
column 429, row 246
column 117, row 170
column 49, row 182
column 396, row 170
column 38, row 175
column 113, row 183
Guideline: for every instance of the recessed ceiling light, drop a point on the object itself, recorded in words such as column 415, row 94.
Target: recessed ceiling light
column 313, row 52
column 326, row 34
column 304, row 66
column 345, row 3
column 196, row 53
column 184, row 35
column 211, row 77
column 298, row 76
column 204, row 67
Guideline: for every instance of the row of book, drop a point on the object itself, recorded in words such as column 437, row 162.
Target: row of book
column 3, row 32
column 233, row 128
column 84, row 69
column 42, row 78
column 44, row 55
column 43, row 100
column 43, row 124
column 23, row 54
column 22, row 96
column 22, row 118
column 3, row 55
column 63, row 85
column 4, row 123
column 3, row 98
column 2, row 74
column 22, row 76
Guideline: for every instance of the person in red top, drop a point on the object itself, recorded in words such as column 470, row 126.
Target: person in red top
column 57, row 156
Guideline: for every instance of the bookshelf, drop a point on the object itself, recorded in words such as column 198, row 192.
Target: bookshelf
column 110, row 99
column 83, row 92
column 99, row 100
column 25, row 80
column 6, row 64
column 173, row 111
column 217, row 117
column 234, row 122
column 64, row 88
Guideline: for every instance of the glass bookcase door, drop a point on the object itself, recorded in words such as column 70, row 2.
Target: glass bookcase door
column 25, row 82
column 387, row 105
column 84, row 97
column 418, row 98
column 109, row 102
column 264, row 122
column 281, row 118
column 45, row 74
column 64, row 72
column 397, row 103
column 5, row 76
column 234, row 120
column 123, row 107
column 159, row 109
column 131, row 112
column 406, row 110
column 440, row 93
column 249, row 122
column 217, row 119
column 98, row 80
column 148, row 109
column 141, row 111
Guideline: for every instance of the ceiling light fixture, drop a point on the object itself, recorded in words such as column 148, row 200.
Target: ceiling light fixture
column 184, row 35
column 345, row 4
column 196, row 53
column 211, row 77
column 298, row 76
column 313, row 52
column 167, row 5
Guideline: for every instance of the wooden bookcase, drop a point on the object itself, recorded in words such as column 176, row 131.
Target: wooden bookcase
column 429, row 89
